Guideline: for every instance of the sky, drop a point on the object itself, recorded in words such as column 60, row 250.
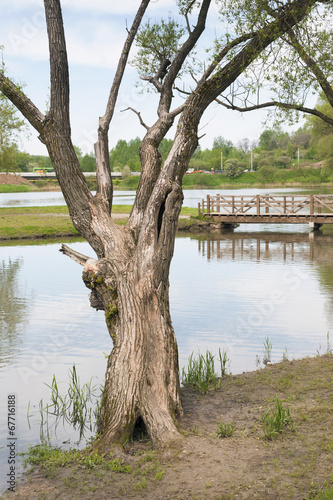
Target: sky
column 95, row 31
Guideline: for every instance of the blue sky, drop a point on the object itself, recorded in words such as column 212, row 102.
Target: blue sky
column 95, row 31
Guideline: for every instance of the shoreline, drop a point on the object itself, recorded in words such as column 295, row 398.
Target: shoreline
column 296, row 463
column 46, row 223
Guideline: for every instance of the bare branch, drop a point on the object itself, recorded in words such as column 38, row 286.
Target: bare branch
column 104, row 181
column 154, row 81
column 74, row 255
column 22, row 102
column 189, row 7
column 177, row 111
column 281, row 105
column 139, row 116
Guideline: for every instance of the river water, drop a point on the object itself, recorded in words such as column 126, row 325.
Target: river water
column 229, row 291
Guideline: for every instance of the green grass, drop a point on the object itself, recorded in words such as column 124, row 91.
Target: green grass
column 13, row 188
column 225, row 430
column 275, row 420
column 47, row 457
column 281, row 177
column 34, row 226
column 200, row 372
column 48, row 222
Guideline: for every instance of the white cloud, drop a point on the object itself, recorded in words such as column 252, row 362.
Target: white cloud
column 95, row 6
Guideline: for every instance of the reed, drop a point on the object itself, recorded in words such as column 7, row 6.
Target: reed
column 79, row 406
column 275, row 420
column 200, row 372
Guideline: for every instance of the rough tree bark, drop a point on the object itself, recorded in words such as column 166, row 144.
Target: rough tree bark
column 129, row 280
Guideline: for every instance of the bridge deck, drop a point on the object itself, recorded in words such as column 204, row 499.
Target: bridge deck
column 269, row 209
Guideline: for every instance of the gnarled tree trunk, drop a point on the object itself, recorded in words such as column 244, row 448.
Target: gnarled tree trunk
column 129, row 278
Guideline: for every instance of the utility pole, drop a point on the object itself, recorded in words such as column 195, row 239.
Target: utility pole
column 251, row 161
column 221, row 160
column 298, row 157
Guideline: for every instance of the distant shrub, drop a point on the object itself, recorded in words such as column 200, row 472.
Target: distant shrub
column 266, row 174
column 233, row 168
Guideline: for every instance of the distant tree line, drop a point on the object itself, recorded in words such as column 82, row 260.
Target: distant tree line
column 275, row 149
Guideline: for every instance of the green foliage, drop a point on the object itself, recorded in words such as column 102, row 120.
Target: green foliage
column 275, row 420
column 157, row 42
column 10, row 126
column 88, row 163
column 325, row 146
column 226, row 430
column 327, row 169
column 266, row 174
column 317, row 127
column 233, row 168
column 126, row 153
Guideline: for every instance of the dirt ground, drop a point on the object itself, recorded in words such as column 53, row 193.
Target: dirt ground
column 13, row 179
column 296, row 465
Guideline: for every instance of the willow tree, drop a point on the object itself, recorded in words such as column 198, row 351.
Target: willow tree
column 293, row 68
column 129, row 279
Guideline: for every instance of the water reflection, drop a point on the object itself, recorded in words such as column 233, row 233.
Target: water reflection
column 14, row 309
column 270, row 246
column 240, row 287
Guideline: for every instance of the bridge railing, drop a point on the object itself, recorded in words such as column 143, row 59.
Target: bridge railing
column 286, row 205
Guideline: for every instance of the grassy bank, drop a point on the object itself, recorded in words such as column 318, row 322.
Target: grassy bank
column 19, row 188
column 50, row 222
column 210, row 463
column 273, row 177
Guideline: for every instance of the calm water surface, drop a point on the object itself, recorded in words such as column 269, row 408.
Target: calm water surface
column 191, row 197
column 229, row 291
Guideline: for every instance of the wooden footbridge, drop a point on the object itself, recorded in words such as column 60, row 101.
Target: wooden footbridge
column 314, row 209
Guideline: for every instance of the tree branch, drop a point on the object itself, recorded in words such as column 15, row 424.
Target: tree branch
column 139, row 116
column 178, row 61
column 313, row 66
column 151, row 160
column 104, row 181
column 224, row 52
column 74, row 255
column 189, row 7
column 154, row 81
column 59, row 101
column 22, row 103
column 277, row 104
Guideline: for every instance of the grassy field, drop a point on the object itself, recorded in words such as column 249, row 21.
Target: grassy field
column 50, row 222
column 9, row 188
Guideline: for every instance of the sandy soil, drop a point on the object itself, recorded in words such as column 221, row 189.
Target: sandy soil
column 295, row 465
column 13, row 179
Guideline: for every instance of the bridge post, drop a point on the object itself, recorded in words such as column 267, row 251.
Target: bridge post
column 199, row 208
column 311, row 205
column 258, row 204
column 267, row 207
column 208, row 204
column 232, row 204
column 218, row 203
